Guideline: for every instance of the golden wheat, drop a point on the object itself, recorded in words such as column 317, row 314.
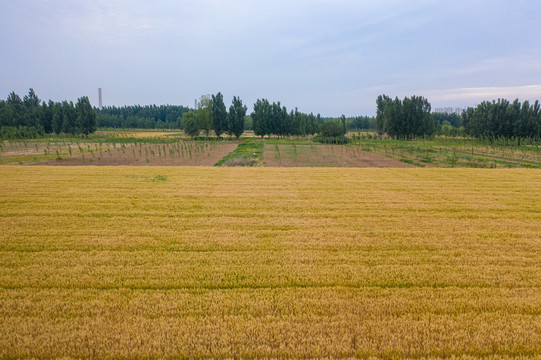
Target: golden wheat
column 164, row 262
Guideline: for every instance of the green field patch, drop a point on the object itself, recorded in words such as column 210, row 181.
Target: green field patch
column 248, row 153
column 149, row 178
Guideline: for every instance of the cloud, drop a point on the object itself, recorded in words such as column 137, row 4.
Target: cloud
column 478, row 94
column 527, row 64
column 328, row 56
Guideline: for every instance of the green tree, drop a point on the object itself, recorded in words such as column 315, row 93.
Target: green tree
column 16, row 111
column 381, row 124
column 237, row 112
column 32, row 113
column 69, row 118
column 3, row 113
column 453, row 119
column 404, row 119
column 58, row 118
column 528, row 123
column 261, row 117
column 86, row 116
column 331, row 129
column 219, row 114
column 46, row 116
column 204, row 114
column 393, row 118
column 311, row 127
column 344, row 124
column 144, row 117
column 491, row 120
column 190, row 124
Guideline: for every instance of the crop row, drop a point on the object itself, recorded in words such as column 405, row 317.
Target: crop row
column 173, row 262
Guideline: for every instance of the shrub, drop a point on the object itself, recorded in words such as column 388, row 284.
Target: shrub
column 331, row 129
column 332, row 139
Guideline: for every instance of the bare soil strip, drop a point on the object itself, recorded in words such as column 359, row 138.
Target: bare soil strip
column 151, row 155
column 325, row 156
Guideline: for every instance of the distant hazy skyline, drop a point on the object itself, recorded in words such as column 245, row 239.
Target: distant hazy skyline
column 328, row 57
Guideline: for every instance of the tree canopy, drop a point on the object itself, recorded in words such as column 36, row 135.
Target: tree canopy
column 404, row 118
column 273, row 119
column 501, row 118
column 30, row 118
column 235, row 118
column 219, row 114
column 190, row 124
column 141, row 117
column 204, row 114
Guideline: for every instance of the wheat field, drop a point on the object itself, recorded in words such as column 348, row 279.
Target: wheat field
column 196, row 262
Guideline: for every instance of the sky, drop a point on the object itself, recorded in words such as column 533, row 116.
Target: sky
column 330, row 57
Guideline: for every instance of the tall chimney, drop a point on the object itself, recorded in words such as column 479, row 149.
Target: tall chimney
column 99, row 96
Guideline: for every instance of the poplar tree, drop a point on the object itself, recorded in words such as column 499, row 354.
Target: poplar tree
column 58, row 118
column 15, row 113
column 204, row 114
column 86, row 116
column 404, row 118
column 237, row 111
column 260, row 117
column 32, row 109
column 495, row 119
column 69, row 118
column 219, row 114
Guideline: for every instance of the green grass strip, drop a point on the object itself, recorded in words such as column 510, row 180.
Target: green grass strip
column 248, row 153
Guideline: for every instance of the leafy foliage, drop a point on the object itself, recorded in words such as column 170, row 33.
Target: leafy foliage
column 190, row 124
column 273, row 119
column 440, row 119
column 219, row 114
column 341, row 139
column 491, row 120
column 404, row 118
column 204, row 114
column 141, row 117
column 86, row 116
column 236, row 115
column 331, row 128
column 32, row 119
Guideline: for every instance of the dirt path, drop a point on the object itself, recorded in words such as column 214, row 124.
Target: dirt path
column 325, row 156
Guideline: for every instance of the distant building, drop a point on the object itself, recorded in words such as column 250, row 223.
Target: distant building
column 99, row 97
column 449, row 110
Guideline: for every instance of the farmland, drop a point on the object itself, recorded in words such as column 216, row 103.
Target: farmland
column 293, row 155
column 131, row 152
column 199, row 262
column 453, row 152
column 129, row 147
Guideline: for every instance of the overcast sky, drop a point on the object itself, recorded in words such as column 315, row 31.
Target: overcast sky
column 324, row 56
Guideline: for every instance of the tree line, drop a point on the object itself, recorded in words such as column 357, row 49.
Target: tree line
column 404, row 118
column 490, row 120
column 411, row 117
column 29, row 117
column 450, row 119
column 211, row 115
column 353, row 123
column 142, row 117
column 267, row 119
column 273, row 119
column 448, row 124
column 503, row 119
